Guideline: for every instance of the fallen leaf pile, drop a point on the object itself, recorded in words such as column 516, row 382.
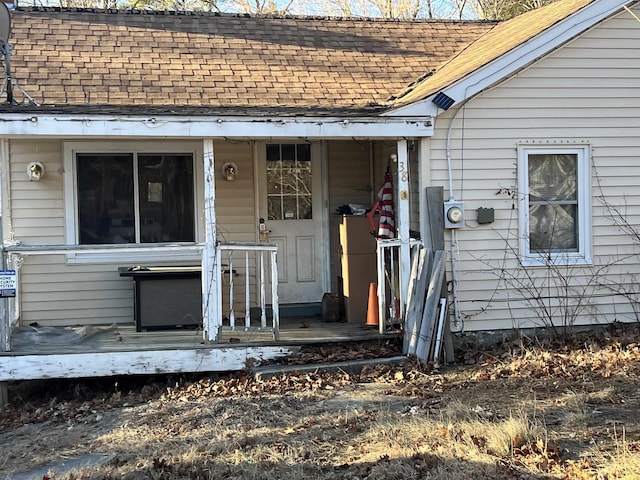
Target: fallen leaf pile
column 244, row 384
column 578, row 358
column 614, row 352
column 341, row 352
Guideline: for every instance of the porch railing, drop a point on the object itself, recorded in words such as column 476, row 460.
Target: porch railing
column 254, row 259
column 391, row 300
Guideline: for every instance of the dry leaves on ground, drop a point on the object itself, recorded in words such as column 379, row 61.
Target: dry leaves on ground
column 522, row 409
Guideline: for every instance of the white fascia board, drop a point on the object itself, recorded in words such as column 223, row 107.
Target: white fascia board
column 423, row 107
column 73, row 126
column 140, row 362
column 515, row 60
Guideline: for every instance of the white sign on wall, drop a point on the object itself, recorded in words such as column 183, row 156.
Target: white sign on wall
column 8, row 283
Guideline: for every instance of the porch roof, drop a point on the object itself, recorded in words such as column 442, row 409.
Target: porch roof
column 183, row 63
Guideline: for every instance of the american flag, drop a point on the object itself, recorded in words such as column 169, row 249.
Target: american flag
column 387, row 225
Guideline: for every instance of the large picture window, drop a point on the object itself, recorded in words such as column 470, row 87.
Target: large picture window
column 134, row 198
column 555, row 212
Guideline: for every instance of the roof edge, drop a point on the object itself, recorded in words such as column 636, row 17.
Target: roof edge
column 197, row 13
column 170, row 126
column 512, row 61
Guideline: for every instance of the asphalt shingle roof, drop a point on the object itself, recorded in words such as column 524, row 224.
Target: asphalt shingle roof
column 501, row 39
column 101, row 61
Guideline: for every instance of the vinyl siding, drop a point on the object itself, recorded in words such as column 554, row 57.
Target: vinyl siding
column 236, row 218
column 37, row 208
column 55, row 293
column 50, row 291
column 583, row 93
column 235, row 201
column 414, row 189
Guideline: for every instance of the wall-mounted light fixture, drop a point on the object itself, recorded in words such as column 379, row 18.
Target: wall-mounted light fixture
column 229, row 171
column 35, row 171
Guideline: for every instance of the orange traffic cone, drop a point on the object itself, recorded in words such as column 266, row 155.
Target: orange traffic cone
column 372, row 311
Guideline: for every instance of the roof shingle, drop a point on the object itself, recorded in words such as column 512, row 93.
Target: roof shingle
column 113, row 60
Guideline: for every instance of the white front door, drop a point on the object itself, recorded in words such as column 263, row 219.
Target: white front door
column 291, row 207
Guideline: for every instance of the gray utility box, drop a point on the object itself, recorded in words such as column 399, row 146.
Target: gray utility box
column 166, row 297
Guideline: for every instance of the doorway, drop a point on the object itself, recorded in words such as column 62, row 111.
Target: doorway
column 290, row 210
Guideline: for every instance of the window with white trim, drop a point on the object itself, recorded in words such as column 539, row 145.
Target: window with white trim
column 128, row 194
column 555, row 223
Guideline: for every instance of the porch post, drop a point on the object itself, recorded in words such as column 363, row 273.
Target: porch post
column 5, row 316
column 403, row 222
column 211, row 293
column 5, row 217
column 424, row 172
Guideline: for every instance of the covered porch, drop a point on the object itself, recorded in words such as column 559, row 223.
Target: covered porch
column 229, row 334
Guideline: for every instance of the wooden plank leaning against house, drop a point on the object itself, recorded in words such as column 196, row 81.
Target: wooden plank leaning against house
column 420, row 272
column 427, row 288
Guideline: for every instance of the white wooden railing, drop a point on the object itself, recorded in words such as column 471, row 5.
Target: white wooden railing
column 248, row 257
column 390, row 281
column 254, row 257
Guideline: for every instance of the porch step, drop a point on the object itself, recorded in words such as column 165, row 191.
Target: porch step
column 290, row 310
column 349, row 366
column 301, row 310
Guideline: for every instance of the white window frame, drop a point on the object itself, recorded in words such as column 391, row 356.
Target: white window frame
column 144, row 253
column 583, row 254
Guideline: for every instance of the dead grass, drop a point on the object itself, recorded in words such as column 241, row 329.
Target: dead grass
column 372, row 444
column 563, row 413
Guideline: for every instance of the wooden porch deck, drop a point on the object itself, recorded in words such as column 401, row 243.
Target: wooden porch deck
column 124, row 338
column 96, row 351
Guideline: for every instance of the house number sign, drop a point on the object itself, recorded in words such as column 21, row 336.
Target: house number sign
column 7, row 283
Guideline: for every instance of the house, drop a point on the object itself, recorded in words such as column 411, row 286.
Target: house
column 183, row 149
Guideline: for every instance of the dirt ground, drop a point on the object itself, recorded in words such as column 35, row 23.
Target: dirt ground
column 523, row 409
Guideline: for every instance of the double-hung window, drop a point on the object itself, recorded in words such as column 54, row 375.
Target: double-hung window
column 554, row 186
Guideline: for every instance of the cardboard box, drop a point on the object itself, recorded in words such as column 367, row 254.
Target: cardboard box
column 358, row 271
column 355, row 236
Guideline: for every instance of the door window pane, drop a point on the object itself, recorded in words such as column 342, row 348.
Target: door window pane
column 274, row 207
column 289, row 194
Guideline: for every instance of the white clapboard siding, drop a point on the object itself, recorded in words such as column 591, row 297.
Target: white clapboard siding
column 53, row 292
column 349, row 167
column 585, row 92
column 414, row 189
column 235, row 201
column 236, row 219
column 36, row 207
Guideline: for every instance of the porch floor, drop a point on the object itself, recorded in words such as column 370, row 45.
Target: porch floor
column 123, row 337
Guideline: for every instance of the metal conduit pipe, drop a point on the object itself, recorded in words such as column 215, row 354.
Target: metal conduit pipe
column 454, row 239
